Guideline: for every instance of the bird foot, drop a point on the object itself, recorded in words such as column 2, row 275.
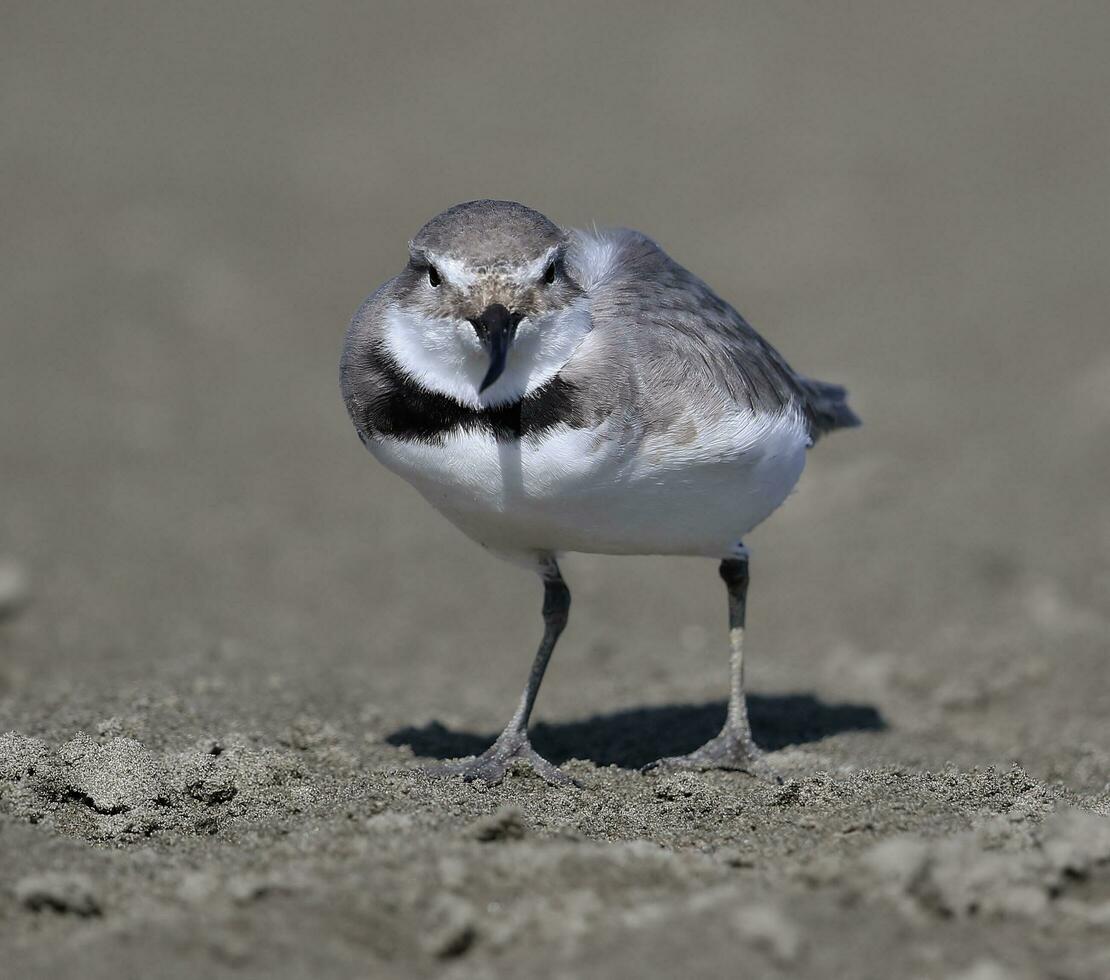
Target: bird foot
column 729, row 750
column 494, row 764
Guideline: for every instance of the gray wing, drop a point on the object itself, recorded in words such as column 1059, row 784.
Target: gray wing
column 687, row 341
column 363, row 380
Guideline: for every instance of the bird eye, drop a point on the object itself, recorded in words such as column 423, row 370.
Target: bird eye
column 549, row 274
column 433, row 276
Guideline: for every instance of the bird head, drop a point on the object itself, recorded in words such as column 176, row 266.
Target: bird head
column 486, row 287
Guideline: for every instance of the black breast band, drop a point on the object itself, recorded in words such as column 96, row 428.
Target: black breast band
column 399, row 407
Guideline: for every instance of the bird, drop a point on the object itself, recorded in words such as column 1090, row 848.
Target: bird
column 551, row 391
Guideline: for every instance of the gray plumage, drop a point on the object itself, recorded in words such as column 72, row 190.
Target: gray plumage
column 552, row 390
column 488, row 233
column 679, row 339
column 669, row 341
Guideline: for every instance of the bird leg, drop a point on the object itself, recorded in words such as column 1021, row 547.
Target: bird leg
column 734, row 747
column 512, row 744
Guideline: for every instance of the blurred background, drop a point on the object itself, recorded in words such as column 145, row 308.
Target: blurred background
column 910, row 199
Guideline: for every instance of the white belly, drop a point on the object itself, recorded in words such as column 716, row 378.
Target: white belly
column 679, row 492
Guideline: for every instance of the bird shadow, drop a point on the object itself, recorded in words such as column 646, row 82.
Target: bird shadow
column 633, row 738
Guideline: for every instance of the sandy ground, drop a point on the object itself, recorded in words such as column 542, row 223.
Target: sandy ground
column 228, row 639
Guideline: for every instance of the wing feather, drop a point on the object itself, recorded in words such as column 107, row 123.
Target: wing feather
column 689, row 340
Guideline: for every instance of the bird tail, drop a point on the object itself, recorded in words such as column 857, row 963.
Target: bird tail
column 828, row 406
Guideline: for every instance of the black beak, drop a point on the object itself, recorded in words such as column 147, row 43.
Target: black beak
column 495, row 328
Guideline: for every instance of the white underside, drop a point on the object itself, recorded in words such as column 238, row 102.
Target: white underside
column 692, row 490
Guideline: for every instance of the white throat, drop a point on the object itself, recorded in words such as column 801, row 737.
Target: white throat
column 445, row 355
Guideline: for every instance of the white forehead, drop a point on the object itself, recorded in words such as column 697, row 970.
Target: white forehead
column 463, row 274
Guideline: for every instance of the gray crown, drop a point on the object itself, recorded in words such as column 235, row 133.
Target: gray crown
column 489, row 233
